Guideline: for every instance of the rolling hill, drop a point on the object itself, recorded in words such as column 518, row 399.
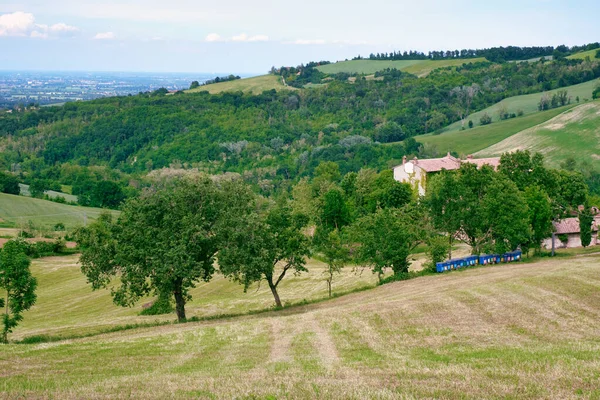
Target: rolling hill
column 572, row 134
column 523, row 331
column 254, row 85
column 473, row 140
column 527, row 103
column 583, row 55
column 43, row 213
column 416, row 67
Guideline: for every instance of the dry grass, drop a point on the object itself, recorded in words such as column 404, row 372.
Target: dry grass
column 509, row 331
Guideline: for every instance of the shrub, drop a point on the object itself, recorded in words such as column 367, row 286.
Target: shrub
column 485, row 119
column 470, row 124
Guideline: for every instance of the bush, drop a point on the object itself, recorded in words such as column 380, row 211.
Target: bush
column 161, row 306
column 596, row 93
column 485, row 119
column 470, row 124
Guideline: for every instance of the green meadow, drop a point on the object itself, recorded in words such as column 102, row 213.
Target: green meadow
column 254, row 85
column 368, row 67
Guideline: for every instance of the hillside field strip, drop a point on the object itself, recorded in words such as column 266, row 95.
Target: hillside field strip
column 19, row 210
column 523, row 330
column 254, row 85
column 417, row 67
column 527, row 103
column 583, row 55
column 572, row 134
column 473, row 140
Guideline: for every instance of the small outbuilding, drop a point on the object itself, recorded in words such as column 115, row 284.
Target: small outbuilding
column 567, row 234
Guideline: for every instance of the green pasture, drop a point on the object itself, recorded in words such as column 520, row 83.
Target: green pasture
column 368, row 67
column 254, row 85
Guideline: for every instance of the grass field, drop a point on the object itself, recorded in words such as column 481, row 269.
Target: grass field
column 527, row 103
column 572, row 134
column 473, row 140
column 581, row 56
column 254, row 85
column 416, row 67
column 524, row 331
column 43, row 213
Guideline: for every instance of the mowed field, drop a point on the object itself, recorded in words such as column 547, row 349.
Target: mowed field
column 473, row 140
column 43, row 213
column 572, row 134
column 527, row 103
column 254, row 85
column 583, row 55
column 526, row 330
column 416, row 67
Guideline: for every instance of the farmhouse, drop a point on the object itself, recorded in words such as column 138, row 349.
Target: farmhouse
column 417, row 171
column 567, row 234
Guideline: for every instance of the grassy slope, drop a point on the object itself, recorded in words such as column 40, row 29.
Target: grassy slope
column 255, row 85
column 528, row 103
column 470, row 141
column 417, row 67
column 581, row 56
column 510, row 331
column 574, row 134
column 43, row 213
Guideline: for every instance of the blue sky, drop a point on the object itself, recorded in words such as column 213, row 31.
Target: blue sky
column 251, row 36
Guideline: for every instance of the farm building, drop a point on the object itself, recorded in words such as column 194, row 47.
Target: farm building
column 416, row 171
column 567, row 234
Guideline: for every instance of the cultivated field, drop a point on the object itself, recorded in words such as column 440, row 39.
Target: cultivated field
column 416, row 67
column 473, row 140
column 19, row 210
column 522, row 331
column 527, row 103
column 254, row 85
column 572, row 134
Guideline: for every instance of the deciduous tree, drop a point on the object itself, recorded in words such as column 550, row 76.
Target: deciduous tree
column 19, row 284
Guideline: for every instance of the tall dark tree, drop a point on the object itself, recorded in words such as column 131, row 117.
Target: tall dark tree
column 586, row 219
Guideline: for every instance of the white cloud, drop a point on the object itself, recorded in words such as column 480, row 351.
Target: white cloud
column 23, row 24
column 309, row 41
column 213, row 37
column 105, row 36
column 243, row 37
column 17, row 24
column 63, row 29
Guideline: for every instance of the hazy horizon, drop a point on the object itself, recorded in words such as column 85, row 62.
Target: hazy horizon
column 251, row 37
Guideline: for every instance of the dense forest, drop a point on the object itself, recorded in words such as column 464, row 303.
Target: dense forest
column 271, row 139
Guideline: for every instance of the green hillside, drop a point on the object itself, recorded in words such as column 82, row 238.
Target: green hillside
column 583, row 55
column 527, row 103
column 524, row 331
column 254, row 85
column 470, row 141
column 416, row 67
column 572, row 134
column 44, row 213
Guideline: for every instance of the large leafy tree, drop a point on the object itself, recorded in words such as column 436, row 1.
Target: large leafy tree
column 19, row 284
column 386, row 238
column 164, row 242
column 506, row 213
column 265, row 247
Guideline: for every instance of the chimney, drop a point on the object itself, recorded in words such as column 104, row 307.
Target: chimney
column 403, row 160
column 470, row 157
column 448, row 155
column 415, row 160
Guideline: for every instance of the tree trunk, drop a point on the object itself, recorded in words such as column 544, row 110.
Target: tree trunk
column 179, row 301
column 5, row 332
column 329, row 286
column 274, row 291
column 450, row 247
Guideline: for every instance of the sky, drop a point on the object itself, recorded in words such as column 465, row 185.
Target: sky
column 250, row 36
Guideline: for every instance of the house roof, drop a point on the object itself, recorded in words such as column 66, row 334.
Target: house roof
column 451, row 163
column 438, row 164
column 493, row 162
column 571, row 225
